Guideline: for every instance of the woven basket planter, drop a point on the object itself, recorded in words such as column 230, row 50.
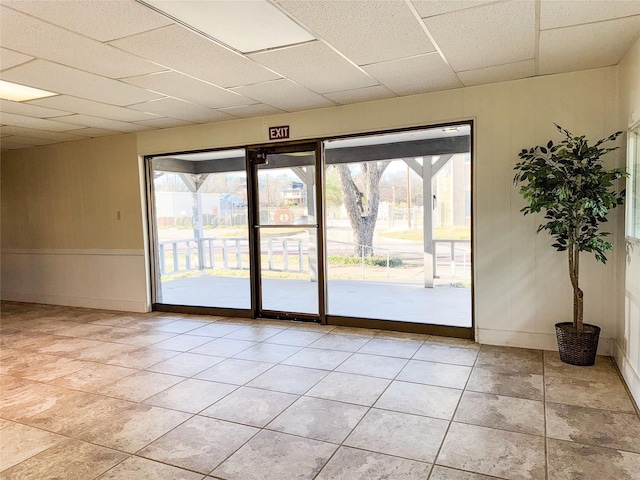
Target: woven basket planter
column 577, row 348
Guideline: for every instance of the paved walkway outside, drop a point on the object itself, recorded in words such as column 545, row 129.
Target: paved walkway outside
column 349, row 298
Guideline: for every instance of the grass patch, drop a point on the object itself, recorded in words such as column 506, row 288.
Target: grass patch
column 369, row 261
column 449, row 233
column 410, row 235
column 452, row 233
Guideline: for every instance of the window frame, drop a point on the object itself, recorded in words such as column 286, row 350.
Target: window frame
column 632, row 224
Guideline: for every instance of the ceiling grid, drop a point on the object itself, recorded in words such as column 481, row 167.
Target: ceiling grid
column 119, row 66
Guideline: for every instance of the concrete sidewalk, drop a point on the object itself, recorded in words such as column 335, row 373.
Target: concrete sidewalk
column 350, row 298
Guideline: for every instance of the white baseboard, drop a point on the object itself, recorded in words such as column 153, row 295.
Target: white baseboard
column 83, row 302
column 631, row 377
column 539, row 341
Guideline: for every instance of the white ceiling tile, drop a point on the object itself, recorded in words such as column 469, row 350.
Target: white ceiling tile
column 366, row 94
column 95, row 132
column 363, row 30
column 102, row 123
column 174, row 108
column 495, row 34
column 37, row 133
column 27, row 141
column 182, row 50
column 498, row 73
column 431, row 8
column 245, row 26
column 37, row 123
column 103, row 20
column 563, row 13
column 165, row 122
column 60, row 79
column 9, row 58
column 180, row 86
column 310, row 64
column 8, row 145
column 95, row 109
column 285, row 95
column 582, row 46
column 409, row 76
column 35, row 37
column 256, row 110
column 21, row 108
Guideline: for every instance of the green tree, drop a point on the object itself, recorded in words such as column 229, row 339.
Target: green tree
column 361, row 197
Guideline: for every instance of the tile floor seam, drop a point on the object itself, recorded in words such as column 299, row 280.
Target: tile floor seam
column 623, row 412
column 135, row 455
column 259, row 430
column 67, row 437
column 503, row 395
column 635, row 404
column 500, row 429
column 77, row 434
column 613, row 449
column 450, row 422
column 370, row 451
column 544, row 406
column 465, row 471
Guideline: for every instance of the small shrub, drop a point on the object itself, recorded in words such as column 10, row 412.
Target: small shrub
column 369, row 261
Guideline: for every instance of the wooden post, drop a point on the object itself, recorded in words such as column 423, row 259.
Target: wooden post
column 427, row 212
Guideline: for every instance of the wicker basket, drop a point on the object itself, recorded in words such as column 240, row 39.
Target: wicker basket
column 577, row 348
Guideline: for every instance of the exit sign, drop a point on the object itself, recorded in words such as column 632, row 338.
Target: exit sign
column 279, row 133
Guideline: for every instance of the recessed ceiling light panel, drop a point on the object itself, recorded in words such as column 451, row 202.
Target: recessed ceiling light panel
column 244, row 25
column 21, row 93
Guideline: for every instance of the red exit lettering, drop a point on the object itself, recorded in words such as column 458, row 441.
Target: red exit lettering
column 278, row 133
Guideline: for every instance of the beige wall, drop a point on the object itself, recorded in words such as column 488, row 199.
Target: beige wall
column 627, row 351
column 72, row 224
column 522, row 288
column 68, row 196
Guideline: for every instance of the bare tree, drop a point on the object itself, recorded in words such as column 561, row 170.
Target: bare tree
column 362, row 201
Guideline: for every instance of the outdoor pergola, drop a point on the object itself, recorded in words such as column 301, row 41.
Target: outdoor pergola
column 194, row 169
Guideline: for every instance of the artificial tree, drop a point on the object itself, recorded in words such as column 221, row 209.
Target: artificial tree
column 569, row 184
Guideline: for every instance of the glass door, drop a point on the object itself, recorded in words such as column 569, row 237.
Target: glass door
column 398, row 228
column 200, row 219
column 287, row 232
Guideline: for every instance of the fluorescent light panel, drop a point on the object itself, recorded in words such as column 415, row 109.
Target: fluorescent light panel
column 244, row 25
column 21, row 93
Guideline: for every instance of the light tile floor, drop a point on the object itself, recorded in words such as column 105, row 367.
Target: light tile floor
column 89, row 394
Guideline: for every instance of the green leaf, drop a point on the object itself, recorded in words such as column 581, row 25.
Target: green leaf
column 568, row 184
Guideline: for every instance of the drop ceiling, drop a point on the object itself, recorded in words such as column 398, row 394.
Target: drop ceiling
column 120, row 66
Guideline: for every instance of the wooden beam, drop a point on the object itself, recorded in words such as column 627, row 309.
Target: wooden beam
column 441, row 162
column 427, row 221
column 390, row 151
column 173, row 165
column 301, row 173
column 189, row 181
column 414, row 165
column 277, row 160
column 219, row 165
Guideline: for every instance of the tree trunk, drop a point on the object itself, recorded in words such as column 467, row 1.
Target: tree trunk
column 578, row 294
column 362, row 207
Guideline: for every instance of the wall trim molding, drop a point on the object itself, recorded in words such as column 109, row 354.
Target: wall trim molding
column 89, row 278
column 68, row 251
column 83, row 302
column 538, row 341
column 631, row 377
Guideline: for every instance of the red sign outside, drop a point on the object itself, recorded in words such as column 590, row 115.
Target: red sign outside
column 279, row 133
